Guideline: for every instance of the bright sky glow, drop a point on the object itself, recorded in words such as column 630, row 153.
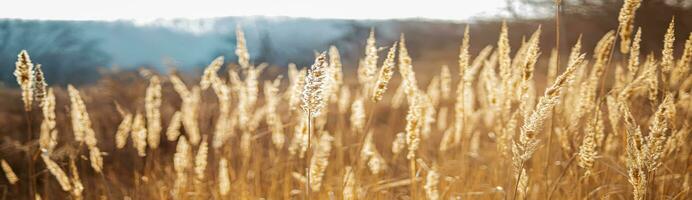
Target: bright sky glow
column 146, row 10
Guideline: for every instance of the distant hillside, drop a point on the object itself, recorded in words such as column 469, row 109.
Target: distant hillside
column 73, row 51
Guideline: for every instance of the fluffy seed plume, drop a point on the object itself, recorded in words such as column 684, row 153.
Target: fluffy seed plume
column 432, row 181
column 667, row 60
column 385, row 75
column 201, row 160
column 95, row 159
column 349, row 183
column 315, row 84
column 24, row 72
column 524, row 149
column 369, row 154
column 320, row 160
column 587, row 151
column 369, row 67
column 636, row 154
column 139, row 135
column 358, row 115
column 657, row 136
column 152, row 106
column 123, row 131
column 49, row 133
column 181, row 162
column 173, row 130
column 273, row 118
column 626, row 23
column 210, row 75
column 633, row 63
column 224, row 180
column 38, row 84
column 81, row 124
column 241, row 49
column 57, row 172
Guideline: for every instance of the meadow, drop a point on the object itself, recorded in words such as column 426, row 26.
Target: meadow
column 605, row 123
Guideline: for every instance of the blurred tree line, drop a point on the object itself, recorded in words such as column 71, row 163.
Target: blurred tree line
column 65, row 54
column 582, row 16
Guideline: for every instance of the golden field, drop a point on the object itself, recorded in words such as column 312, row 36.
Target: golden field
column 595, row 127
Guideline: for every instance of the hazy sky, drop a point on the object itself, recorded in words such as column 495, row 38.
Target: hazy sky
column 154, row 9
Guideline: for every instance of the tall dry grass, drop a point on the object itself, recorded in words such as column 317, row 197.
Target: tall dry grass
column 489, row 131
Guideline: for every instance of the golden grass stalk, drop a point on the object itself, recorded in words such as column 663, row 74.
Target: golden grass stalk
column 528, row 143
column 589, row 87
column 686, row 58
column 432, row 181
column 299, row 143
column 152, row 105
column 123, row 131
column 209, row 76
column 683, row 66
column 224, row 179
column 413, row 125
column 369, row 155
column 633, row 63
column 9, row 173
column 78, row 187
column 464, row 56
column 251, row 87
column 181, row 162
column 201, row 160
column 385, row 75
column 315, row 83
column 24, row 72
column 38, row 84
column 349, row 182
column 173, row 130
column 273, row 119
column 433, row 90
column 651, row 81
column 95, row 159
column 428, row 114
column 81, row 124
column 241, row 48
column 296, row 79
column 626, row 23
column 139, row 135
column 224, row 123
column 465, row 93
column 668, row 60
column 636, row 154
column 657, row 132
column 406, row 68
column 190, row 109
column 369, row 68
column 57, row 172
column 445, row 82
column 587, row 151
column 319, row 161
column 530, row 57
column 358, row 115
column 504, row 59
column 336, row 67
column 506, row 71
column 49, row 133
